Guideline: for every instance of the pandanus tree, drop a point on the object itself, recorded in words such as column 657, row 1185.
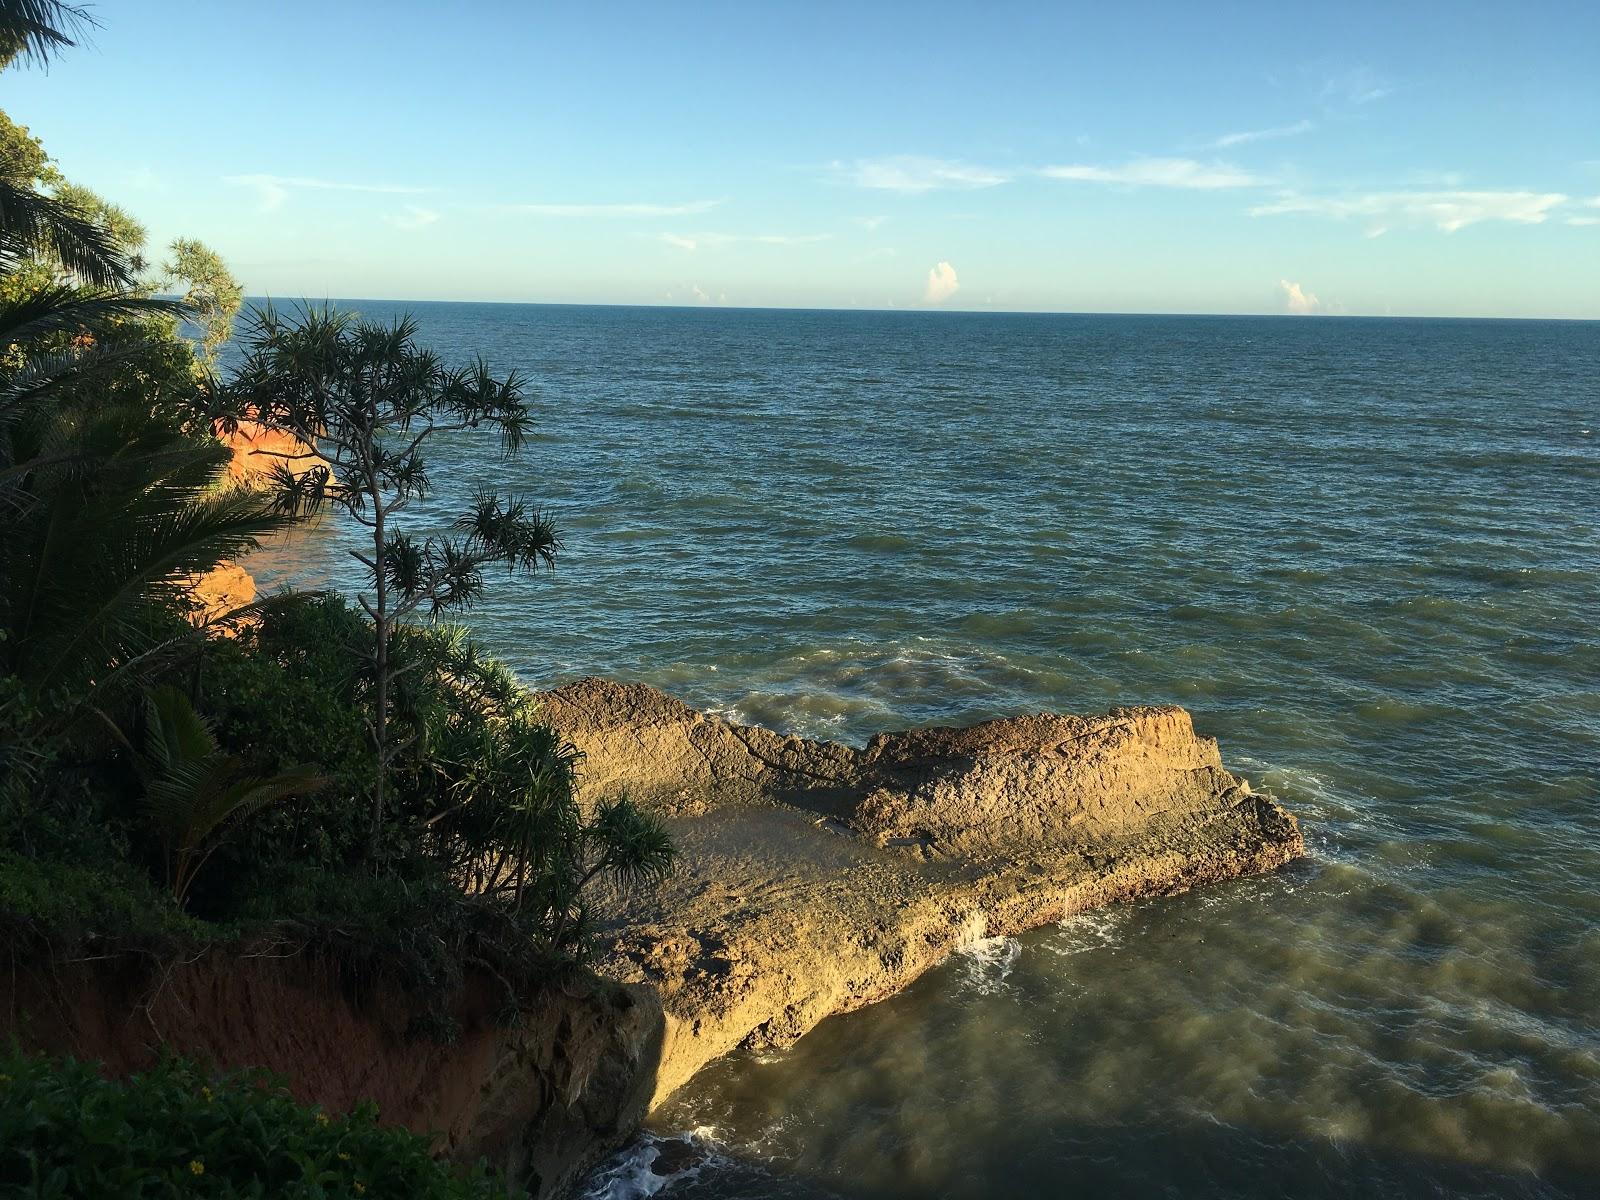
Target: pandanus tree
column 364, row 400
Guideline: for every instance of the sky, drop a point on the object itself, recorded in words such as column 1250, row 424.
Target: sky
column 1395, row 158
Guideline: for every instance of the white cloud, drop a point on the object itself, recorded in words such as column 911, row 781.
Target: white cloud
column 699, row 295
column 1261, row 135
column 414, row 217
column 1297, row 300
column 1445, row 210
column 871, row 224
column 1160, row 172
column 912, row 174
column 274, row 189
column 1583, row 220
column 612, row 210
column 696, row 241
column 942, row 284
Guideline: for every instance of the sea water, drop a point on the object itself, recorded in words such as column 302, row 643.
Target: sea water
column 1364, row 553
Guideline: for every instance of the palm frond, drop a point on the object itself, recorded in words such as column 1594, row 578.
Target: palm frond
column 37, row 29
column 61, row 308
column 33, row 224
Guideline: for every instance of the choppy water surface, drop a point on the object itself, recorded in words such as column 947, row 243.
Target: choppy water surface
column 1363, row 553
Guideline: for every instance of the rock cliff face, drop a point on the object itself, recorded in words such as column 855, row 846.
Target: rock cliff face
column 219, row 591
column 817, row 877
column 257, row 450
column 543, row 1095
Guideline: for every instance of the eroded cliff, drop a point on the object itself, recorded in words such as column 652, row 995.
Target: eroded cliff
column 542, row 1093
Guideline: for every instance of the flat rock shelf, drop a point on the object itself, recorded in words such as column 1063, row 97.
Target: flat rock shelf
column 817, row 877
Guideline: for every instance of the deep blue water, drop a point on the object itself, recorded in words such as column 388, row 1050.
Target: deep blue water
column 1363, row 553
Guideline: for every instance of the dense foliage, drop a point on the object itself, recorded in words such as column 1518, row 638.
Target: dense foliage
column 175, row 1130
column 297, row 774
column 362, row 780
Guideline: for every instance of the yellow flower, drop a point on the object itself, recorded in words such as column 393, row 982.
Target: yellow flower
column 196, row 1167
column 206, row 1092
column 343, row 1157
column 361, row 1188
column 322, row 1118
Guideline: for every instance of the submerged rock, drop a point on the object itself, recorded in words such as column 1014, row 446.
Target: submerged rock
column 817, row 877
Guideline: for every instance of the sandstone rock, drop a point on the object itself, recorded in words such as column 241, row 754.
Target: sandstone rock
column 219, row 591
column 257, row 449
column 816, row 877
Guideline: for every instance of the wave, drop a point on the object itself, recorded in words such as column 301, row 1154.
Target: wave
column 652, row 1163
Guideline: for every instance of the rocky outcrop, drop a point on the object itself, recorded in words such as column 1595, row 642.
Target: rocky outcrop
column 257, row 450
column 218, row 592
column 816, row 877
column 543, row 1094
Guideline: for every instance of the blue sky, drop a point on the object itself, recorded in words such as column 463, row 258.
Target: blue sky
column 1157, row 157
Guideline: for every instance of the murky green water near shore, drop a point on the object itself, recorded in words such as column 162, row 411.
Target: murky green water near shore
column 1363, row 553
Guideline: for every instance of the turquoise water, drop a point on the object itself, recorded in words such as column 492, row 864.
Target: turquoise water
column 1363, row 553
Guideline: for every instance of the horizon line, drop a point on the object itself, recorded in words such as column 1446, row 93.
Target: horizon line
column 915, row 311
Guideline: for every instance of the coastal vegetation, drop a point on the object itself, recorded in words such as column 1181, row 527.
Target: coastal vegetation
column 177, row 1129
column 295, row 774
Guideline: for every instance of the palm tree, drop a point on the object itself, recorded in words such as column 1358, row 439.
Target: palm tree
column 35, row 29
column 100, row 544
column 194, row 793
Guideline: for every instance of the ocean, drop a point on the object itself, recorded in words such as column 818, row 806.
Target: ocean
column 1363, row 553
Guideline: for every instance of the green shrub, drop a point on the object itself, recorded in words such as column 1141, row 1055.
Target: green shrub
column 412, row 927
column 175, row 1131
column 287, row 692
column 66, row 909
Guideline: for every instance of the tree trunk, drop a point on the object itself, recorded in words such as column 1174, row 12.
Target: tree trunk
column 380, row 662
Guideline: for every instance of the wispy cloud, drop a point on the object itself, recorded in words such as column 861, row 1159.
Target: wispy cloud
column 1444, row 210
column 273, row 190
column 706, row 241
column 413, row 217
column 1160, row 172
column 1297, row 300
column 1353, row 87
column 1587, row 220
column 688, row 209
column 912, row 174
column 1244, row 137
column 871, row 224
column 942, row 284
